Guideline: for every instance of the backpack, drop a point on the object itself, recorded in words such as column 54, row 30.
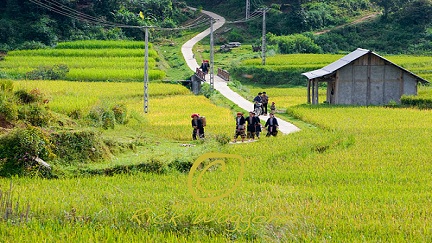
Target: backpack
column 203, row 120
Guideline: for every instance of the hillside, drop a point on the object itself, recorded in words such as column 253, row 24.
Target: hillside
column 401, row 26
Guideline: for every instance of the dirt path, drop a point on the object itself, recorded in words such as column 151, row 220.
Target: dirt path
column 362, row 19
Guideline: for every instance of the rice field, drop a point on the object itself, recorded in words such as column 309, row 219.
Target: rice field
column 88, row 61
column 359, row 174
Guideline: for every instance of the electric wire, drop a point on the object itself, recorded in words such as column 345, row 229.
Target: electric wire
column 72, row 13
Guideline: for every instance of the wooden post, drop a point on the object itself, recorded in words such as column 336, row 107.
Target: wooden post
column 316, row 92
column 308, row 92
column 313, row 91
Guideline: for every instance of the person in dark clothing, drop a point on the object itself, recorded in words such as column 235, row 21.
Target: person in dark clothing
column 198, row 128
column 272, row 125
column 258, row 128
column 257, row 101
column 205, row 66
column 264, row 99
column 240, row 127
column 251, row 125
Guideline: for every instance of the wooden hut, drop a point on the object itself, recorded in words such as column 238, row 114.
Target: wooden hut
column 362, row 78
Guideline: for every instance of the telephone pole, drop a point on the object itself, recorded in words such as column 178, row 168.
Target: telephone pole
column 264, row 43
column 146, row 81
column 247, row 9
column 211, row 55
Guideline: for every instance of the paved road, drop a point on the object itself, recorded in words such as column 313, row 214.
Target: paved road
column 221, row 85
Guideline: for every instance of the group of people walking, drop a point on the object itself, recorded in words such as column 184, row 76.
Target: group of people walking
column 249, row 127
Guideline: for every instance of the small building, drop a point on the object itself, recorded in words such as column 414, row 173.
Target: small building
column 362, row 78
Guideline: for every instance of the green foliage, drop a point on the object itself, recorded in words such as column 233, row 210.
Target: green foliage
column 181, row 164
column 106, row 117
column 268, row 75
column 294, row 44
column 120, row 113
column 54, row 72
column 6, row 85
column 8, row 109
column 416, row 101
column 19, row 148
column 79, row 146
column 44, row 26
column 25, row 97
column 206, row 90
column 223, row 138
column 32, row 45
column 34, row 114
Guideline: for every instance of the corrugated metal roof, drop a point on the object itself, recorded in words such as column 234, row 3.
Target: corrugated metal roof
column 333, row 67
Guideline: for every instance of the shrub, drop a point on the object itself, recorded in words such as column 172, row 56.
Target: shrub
column 19, row 149
column 79, row 145
column 120, row 113
column 223, row 138
column 155, row 166
column 181, row 165
column 34, row 114
column 294, row 44
column 35, row 95
column 102, row 116
column 48, row 72
column 8, row 108
column 108, row 119
column 414, row 101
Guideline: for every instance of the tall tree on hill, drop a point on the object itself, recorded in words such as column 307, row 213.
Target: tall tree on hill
column 389, row 6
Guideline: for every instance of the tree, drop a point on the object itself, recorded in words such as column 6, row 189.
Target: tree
column 389, row 6
column 416, row 14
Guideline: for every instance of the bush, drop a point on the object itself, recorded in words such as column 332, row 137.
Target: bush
column 181, row 165
column 108, row 119
column 79, row 145
column 294, row 44
column 223, row 138
column 102, row 116
column 206, row 90
column 32, row 45
column 34, row 114
column 264, row 75
column 19, row 148
column 120, row 113
column 8, row 107
column 414, row 101
column 48, row 72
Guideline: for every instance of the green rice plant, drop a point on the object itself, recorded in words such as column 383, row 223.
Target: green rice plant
column 90, row 74
column 97, row 44
column 78, row 62
column 84, row 53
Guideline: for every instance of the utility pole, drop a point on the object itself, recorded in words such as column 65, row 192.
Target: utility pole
column 211, row 55
column 264, row 43
column 247, row 9
column 146, row 81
